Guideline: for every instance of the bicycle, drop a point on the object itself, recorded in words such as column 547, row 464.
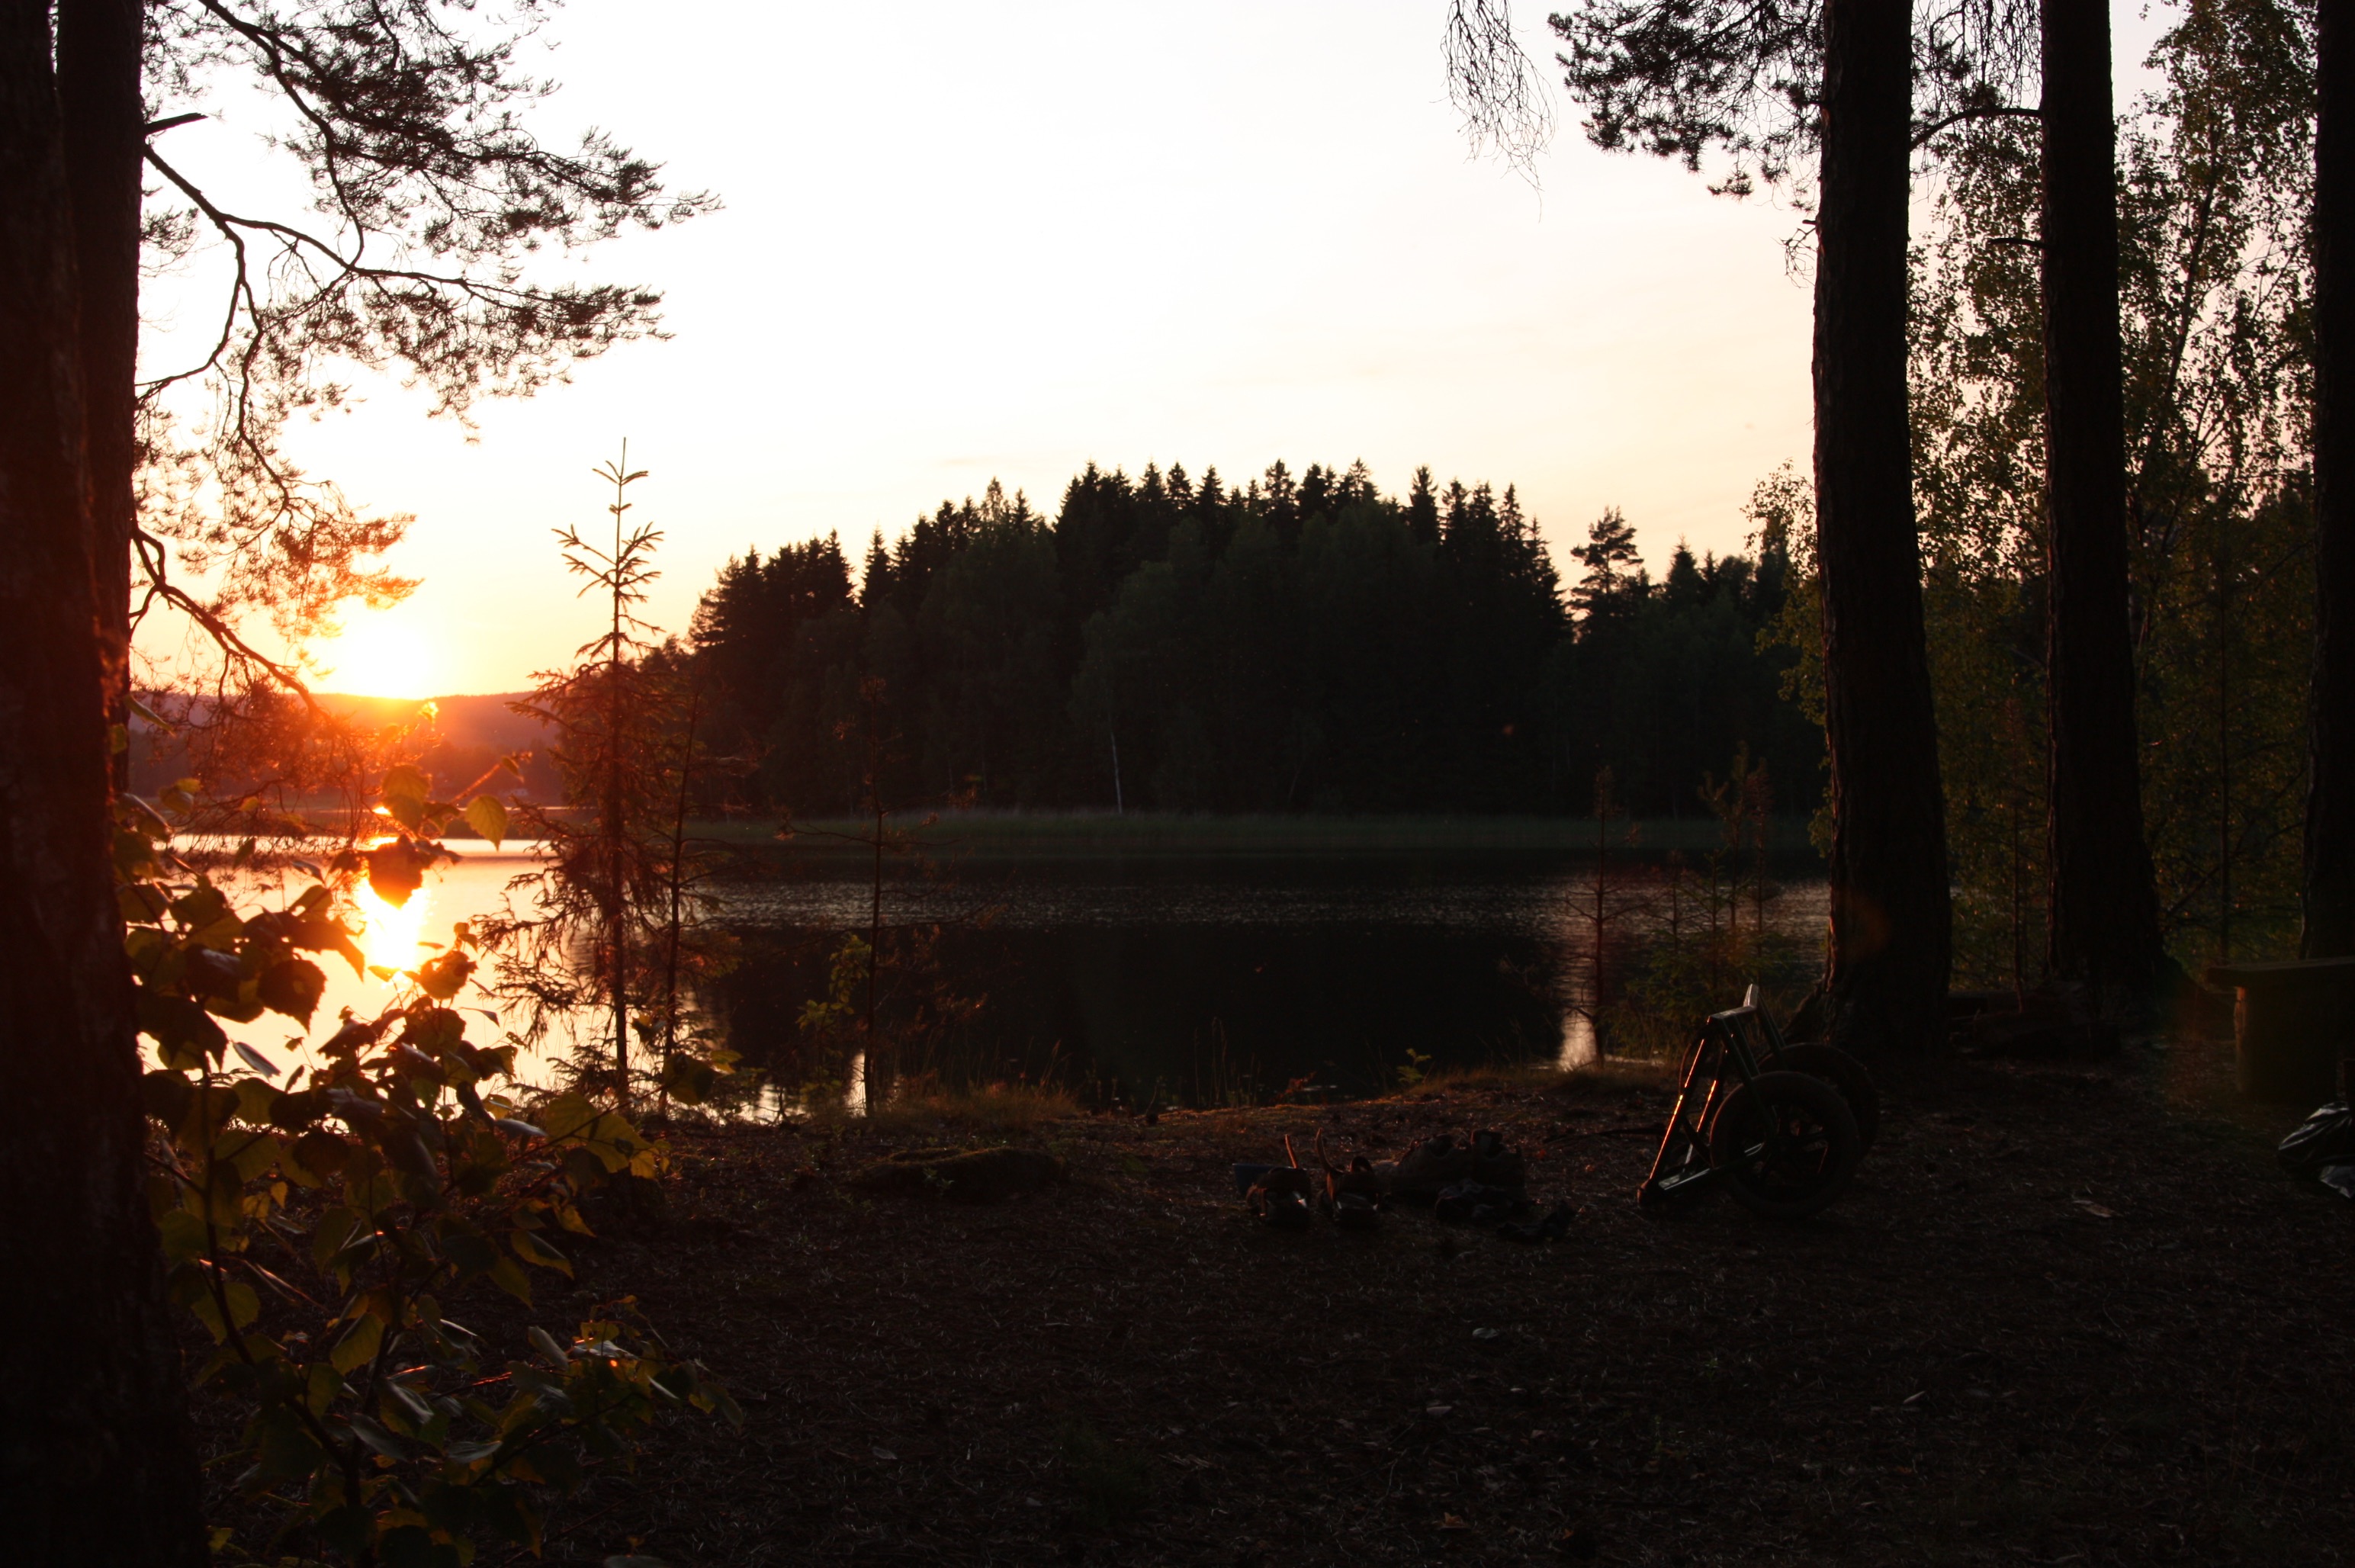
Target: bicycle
column 1781, row 1127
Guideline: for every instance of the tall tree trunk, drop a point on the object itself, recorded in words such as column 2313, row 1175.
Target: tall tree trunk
column 2329, row 881
column 98, row 46
column 2103, row 928
column 96, row 1462
column 1891, row 914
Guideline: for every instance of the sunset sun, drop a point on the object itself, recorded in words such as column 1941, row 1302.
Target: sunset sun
column 379, row 657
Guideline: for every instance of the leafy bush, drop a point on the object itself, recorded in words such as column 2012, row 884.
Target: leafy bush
column 322, row 1228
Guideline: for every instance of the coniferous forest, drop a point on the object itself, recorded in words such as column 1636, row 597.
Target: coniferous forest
column 1302, row 643
column 623, row 1122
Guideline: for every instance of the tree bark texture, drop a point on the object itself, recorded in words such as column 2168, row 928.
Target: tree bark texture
column 2103, row 924
column 1891, row 913
column 2330, row 878
column 98, row 56
column 96, row 1461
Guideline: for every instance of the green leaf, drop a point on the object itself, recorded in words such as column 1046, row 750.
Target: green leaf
column 532, row 1250
column 511, row 1279
column 286, row 1451
column 167, row 1096
column 183, row 1033
column 444, row 976
column 378, row 1438
column 406, row 782
column 243, row 1307
column 545, row 1343
column 487, row 815
column 200, row 906
column 321, row 1388
column 412, row 1403
column 322, row 1152
column 255, row 1100
column 292, row 987
column 320, row 934
column 358, row 1345
column 256, row 1153
column 183, row 1235
column 568, row 1116
column 687, row 1080
column 472, row 1253
column 141, row 903
column 296, row 1112
column 395, row 871
column 254, row 1059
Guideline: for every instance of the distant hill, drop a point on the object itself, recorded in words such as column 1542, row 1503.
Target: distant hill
column 473, row 732
column 467, row 736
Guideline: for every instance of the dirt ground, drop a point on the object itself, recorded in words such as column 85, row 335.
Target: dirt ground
column 2070, row 1314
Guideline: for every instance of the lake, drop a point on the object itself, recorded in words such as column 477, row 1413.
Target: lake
column 1213, row 975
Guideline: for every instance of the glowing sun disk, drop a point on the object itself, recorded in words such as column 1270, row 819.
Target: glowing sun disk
column 375, row 657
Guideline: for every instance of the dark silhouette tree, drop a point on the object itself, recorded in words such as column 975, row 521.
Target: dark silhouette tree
column 432, row 192
column 2329, row 872
column 1410, row 654
column 1890, row 921
column 98, row 1465
column 1860, row 83
column 2103, row 925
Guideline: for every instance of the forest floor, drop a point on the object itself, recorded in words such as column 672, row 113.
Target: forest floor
column 2069, row 1313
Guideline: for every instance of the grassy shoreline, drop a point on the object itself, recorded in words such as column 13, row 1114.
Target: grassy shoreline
column 1047, row 835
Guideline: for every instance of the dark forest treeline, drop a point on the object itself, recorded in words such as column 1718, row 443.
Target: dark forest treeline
column 1299, row 645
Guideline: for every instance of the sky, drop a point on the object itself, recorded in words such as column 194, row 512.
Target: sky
column 962, row 242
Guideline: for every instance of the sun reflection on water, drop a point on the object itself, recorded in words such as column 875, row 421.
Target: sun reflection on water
column 391, row 935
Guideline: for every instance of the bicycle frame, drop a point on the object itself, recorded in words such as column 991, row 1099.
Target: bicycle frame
column 1738, row 1038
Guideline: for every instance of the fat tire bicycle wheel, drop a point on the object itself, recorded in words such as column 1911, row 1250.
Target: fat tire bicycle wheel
column 1843, row 1073
column 1786, row 1143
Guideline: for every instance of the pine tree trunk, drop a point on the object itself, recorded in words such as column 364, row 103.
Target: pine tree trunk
column 98, row 44
column 96, row 1461
column 1891, row 919
column 2329, row 881
column 2103, row 928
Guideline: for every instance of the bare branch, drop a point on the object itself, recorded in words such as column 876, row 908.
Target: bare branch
column 1493, row 84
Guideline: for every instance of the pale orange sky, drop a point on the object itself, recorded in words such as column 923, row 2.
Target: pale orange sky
column 970, row 241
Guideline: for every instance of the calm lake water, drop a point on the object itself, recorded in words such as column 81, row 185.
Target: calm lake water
column 1210, row 975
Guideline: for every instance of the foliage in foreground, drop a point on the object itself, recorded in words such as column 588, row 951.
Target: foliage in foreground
column 323, row 1229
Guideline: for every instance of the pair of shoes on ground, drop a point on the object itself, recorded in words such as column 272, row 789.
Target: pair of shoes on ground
column 1353, row 1196
column 1430, row 1168
column 1282, row 1195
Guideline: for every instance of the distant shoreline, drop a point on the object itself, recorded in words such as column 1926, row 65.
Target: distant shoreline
column 1050, row 835
column 1007, row 834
